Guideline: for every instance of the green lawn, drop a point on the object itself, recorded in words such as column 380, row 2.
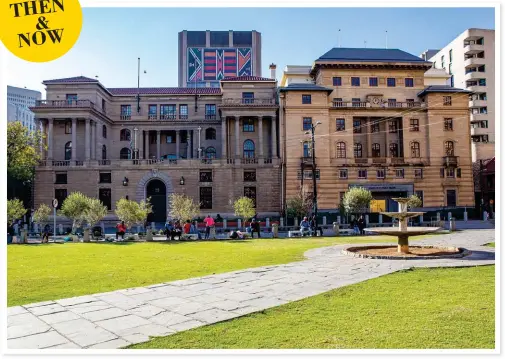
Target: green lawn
column 415, row 309
column 54, row 271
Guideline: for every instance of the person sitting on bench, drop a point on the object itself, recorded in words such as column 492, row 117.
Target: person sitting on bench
column 304, row 227
column 120, row 230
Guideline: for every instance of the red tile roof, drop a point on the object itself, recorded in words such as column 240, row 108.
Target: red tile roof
column 165, row 91
column 247, row 78
column 77, row 79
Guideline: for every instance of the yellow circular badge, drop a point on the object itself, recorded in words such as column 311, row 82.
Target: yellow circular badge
column 42, row 30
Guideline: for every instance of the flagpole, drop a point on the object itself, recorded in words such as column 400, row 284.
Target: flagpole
column 339, row 39
column 386, row 39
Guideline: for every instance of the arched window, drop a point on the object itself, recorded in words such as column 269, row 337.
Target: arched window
column 210, row 134
column 393, row 150
column 248, row 149
column 449, row 148
column 306, row 149
column 414, row 149
column 68, row 151
column 104, row 131
column 358, row 150
column 376, row 150
column 125, row 154
column 210, row 152
column 341, row 150
column 125, row 135
column 104, row 152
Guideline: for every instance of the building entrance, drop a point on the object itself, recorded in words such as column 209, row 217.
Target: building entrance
column 157, row 191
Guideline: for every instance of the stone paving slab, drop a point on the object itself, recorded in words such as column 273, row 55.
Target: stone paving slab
column 128, row 316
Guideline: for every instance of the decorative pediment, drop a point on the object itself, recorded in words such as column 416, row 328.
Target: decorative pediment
column 375, row 100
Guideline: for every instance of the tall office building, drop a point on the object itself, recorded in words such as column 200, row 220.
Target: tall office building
column 470, row 60
column 206, row 57
column 18, row 102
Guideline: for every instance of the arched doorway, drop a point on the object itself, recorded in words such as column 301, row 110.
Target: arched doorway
column 157, row 191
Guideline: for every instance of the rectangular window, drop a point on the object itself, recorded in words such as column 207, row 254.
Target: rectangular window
column 361, row 174
column 458, row 172
column 337, row 102
column 418, row 173
column 414, row 125
column 248, row 125
column 447, row 100
column 170, row 138
column 442, row 62
column 308, row 174
column 442, row 172
column 391, row 81
column 340, row 124
column 61, row 178
column 373, row 82
column 337, row 81
column 183, row 112
column 400, row 173
column 342, row 174
column 391, row 102
column 210, row 112
column 153, row 112
column 451, row 198
column 71, row 98
column 307, row 123
column 60, row 194
column 447, row 124
column 205, row 176
column 306, row 99
column 68, row 127
column 381, row 173
column 420, row 195
column 105, row 177
column 410, row 102
column 205, row 197
column 356, row 124
column 249, row 176
column 482, row 82
column 450, row 55
column 247, row 97
column 104, row 195
column 393, row 126
column 450, row 172
column 375, row 127
column 450, row 69
column 126, row 112
column 250, row 192
column 354, row 81
column 409, row 82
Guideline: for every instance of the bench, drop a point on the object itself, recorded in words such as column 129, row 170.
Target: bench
column 185, row 236
column 346, row 232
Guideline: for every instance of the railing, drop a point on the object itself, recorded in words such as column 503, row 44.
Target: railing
column 79, row 163
column 183, row 117
column 210, row 116
column 60, row 163
column 306, row 160
column 152, row 117
column 126, row 117
column 104, row 162
column 363, row 161
column 450, row 161
column 206, row 161
column 249, row 161
column 267, row 161
column 365, row 104
column 397, row 160
column 248, row 101
column 65, row 103
column 379, row 160
column 168, row 117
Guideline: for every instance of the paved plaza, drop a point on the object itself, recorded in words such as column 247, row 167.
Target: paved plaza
column 122, row 317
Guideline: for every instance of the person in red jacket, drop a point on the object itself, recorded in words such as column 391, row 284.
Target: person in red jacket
column 120, row 230
column 187, row 227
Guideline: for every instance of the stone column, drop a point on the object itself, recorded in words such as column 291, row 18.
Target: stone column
column 86, row 140
column 190, row 144
column 93, row 140
column 260, row 136
column 369, row 138
column 146, row 143
column 74, row 139
column 140, row 145
column 223, row 139
column 237, row 135
column 50, row 139
column 42, row 128
column 274, row 137
column 158, row 144
column 177, row 143
column 387, row 140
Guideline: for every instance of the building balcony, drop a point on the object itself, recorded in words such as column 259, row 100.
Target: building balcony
column 249, row 102
column 165, row 117
column 66, row 105
column 450, row 161
column 307, row 161
column 477, row 88
column 474, row 61
column 473, row 49
column 478, row 117
column 475, row 75
column 417, row 161
column 365, row 104
column 477, row 103
column 479, row 131
column 154, row 117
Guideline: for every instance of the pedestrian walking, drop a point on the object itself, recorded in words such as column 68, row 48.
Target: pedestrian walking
column 209, row 222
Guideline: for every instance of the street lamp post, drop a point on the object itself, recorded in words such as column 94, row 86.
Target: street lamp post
column 314, row 183
column 199, row 142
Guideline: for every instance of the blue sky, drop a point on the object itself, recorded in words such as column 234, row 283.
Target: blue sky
column 113, row 38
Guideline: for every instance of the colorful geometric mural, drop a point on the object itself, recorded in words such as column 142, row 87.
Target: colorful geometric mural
column 213, row 64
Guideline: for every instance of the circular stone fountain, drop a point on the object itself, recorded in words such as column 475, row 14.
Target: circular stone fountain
column 403, row 232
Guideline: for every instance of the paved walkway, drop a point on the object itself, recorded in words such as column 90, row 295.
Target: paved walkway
column 117, row 319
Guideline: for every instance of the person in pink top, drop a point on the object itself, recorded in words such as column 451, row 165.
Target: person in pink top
column 209, row 222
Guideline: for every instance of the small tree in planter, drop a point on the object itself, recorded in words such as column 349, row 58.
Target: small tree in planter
column 414, row 202
column 183, row 207
column 131, row 212
column 357, row 200
column 15, row 210
column 74, row 207
column 93, row 214
column 299, row 205
column 244, row 208
column 41, row 216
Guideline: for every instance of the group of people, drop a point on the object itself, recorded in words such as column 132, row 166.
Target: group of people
column 177, row 229
column 358, row 225
column 309, row 227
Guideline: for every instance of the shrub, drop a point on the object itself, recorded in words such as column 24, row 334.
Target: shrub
column 357, row 200
column 244, row 208
column 74, row 207
column 15, row 210
column 414, row 202
column 132, row 212
column 183, row 207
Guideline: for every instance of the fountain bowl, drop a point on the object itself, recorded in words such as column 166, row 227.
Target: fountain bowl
column 395, row 231
column 415, row 252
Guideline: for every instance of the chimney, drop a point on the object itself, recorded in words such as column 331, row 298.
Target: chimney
column 272, row 71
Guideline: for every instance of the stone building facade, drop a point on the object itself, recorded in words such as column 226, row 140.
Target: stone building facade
column 377, row 126
column 213, row 144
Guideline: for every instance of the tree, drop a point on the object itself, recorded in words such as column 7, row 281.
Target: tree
column 244, row 208
column 95, row 211
column 414, row 202
column 42, row 213
column 131, row 212
column 74, row 207
column 23, row 152
column 15, row 210
column 299, row 205
column 183, row 207
column 357, row 200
